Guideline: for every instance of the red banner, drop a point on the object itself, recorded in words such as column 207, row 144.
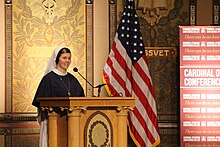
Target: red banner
column 200, row 86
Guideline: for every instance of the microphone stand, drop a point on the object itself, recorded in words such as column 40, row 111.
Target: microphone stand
column 98, row 86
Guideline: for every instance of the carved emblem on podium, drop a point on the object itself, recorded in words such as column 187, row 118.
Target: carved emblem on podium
column 98, row 130
column 99, row 134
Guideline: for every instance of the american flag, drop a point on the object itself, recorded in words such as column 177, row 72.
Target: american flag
column 126, row 73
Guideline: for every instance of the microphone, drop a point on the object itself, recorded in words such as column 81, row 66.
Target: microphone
column 75, row 69
column 98, row 86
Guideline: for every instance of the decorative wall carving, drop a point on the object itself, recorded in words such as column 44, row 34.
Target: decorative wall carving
column 25, row 140
column 38, row 27
column 154, row 9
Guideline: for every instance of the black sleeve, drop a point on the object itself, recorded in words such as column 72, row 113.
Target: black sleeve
column 43, row 90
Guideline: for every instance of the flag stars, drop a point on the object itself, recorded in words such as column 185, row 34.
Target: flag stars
column 129, row 34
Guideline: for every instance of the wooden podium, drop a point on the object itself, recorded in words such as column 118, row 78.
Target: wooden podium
column 89, row 121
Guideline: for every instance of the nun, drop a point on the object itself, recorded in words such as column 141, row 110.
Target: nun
column 57, row 82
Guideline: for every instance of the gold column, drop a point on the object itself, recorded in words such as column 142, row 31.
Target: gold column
column 52, row 125
column 74, row 126
column 122, row 126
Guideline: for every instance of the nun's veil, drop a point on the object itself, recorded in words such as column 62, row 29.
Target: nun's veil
column 43, row 127
column 52, row 62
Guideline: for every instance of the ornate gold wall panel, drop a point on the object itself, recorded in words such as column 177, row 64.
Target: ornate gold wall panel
column 38, row 27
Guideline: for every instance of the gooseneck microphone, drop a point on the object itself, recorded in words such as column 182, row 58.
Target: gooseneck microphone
column 98, row 86
column 76, row 70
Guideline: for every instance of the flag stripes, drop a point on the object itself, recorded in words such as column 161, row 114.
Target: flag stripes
column 126, row 73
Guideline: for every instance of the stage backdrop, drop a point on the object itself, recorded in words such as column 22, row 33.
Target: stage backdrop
column 199, row 86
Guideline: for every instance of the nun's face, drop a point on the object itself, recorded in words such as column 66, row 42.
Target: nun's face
column 64, row 62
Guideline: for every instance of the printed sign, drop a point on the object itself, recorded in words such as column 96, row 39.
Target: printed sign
column 200, row 86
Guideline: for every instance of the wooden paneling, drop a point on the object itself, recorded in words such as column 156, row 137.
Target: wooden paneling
column 18, row 131
column 204, row 12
